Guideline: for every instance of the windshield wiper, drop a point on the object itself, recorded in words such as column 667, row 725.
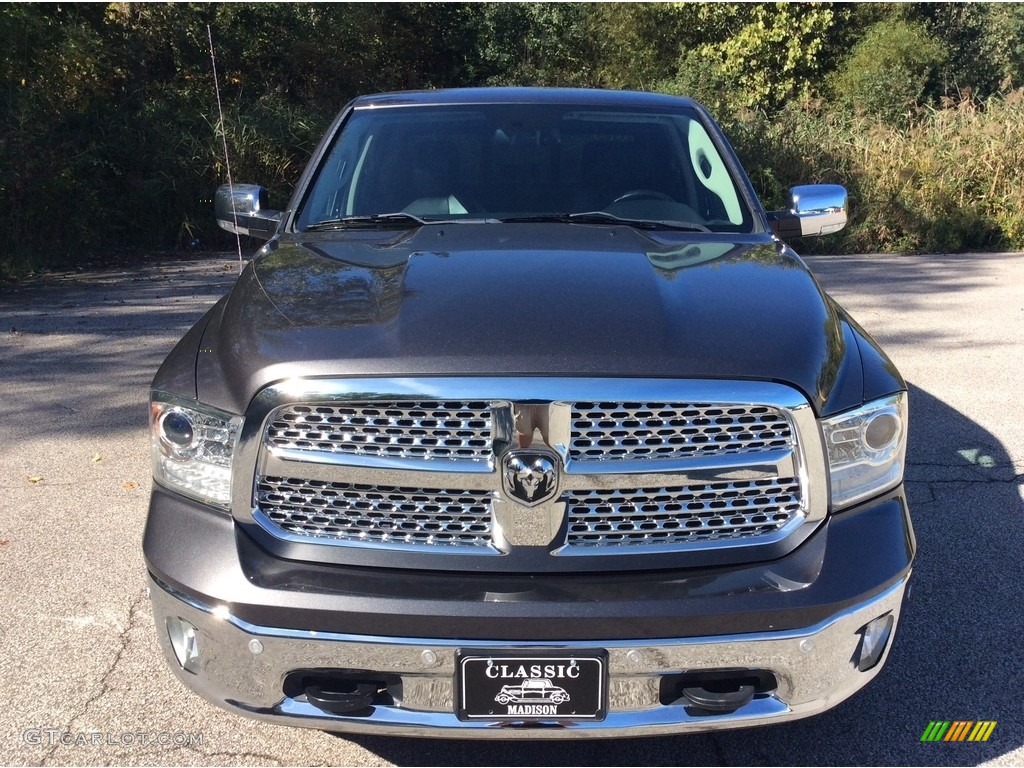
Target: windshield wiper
column 603, row 217
column 372, row 220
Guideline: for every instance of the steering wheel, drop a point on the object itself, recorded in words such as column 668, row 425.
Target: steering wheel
column 643, row 194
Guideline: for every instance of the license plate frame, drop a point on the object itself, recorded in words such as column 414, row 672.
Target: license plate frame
column 556, row 685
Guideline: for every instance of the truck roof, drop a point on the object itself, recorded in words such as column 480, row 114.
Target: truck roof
column 516, row 95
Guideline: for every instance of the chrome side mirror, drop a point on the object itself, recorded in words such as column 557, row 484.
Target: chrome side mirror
column 241, row 208
column 814, row 209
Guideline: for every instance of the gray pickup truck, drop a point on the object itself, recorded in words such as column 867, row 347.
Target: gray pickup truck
column 527, row 422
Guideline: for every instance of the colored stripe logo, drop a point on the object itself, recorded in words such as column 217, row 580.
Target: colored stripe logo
column 958, row 730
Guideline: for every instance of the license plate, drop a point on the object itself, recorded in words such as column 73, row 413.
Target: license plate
column 531, row 687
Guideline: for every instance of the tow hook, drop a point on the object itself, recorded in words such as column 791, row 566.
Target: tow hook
column 721, row 702
column 342, row 702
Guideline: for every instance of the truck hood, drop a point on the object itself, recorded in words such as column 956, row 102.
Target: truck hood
column 524, row 299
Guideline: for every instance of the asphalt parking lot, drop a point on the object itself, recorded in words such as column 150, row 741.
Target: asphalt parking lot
column 81, row 679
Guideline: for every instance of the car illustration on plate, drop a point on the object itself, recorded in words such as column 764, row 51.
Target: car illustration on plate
column 539, row 691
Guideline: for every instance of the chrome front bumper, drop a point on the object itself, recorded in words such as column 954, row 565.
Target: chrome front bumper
column 242, row 667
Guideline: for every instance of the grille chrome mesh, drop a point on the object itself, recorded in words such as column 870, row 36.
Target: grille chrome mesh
column 691, row 513
column 380, row 515
column 421, row 429
column 604, row 431
column 396, row 472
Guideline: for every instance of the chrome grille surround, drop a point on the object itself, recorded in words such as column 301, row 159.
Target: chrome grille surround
column 606, row 431
column 383, row 514
column 533, row 413
column 416, row 429
column 706, row 511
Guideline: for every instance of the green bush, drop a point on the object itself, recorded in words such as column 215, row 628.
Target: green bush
column 888, row 71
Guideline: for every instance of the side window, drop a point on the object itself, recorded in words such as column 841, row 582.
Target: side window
column 711, row 171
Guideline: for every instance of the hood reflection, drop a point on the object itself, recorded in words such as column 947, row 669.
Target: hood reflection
column 350, row 294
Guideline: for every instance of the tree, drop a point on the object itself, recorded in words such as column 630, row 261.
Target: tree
column 984, row 44
column 888, row 72
column 537, row 44
column 763, row 54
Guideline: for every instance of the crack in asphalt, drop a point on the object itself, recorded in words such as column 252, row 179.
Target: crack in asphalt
column 974, row 481
column 933, row 486
column 958, row 465
column 261, row 757
column 222, row 756
column 104, row 683
column 44, row 483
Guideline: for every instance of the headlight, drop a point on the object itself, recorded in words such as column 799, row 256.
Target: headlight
column 192, row 446
column 866, row 449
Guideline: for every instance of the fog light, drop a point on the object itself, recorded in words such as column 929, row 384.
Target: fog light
column 185, row 643
column 874, row 638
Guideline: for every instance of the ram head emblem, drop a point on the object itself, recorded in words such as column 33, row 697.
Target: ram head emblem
column 529, row 477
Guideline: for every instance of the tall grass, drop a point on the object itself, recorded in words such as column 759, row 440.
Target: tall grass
column 948, row 180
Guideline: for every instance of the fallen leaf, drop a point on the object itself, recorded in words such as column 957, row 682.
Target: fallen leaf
column 97, row 458
column 35, row 479
column 129, row 485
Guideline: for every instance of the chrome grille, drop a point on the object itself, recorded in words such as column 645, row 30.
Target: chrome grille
column 376, row 514
column 710, row 471
column 604, row 431
column 421, row 429
column 690, row 513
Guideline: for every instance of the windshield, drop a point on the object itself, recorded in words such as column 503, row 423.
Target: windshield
column 524, row 162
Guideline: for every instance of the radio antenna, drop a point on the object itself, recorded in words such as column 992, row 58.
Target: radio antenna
column 224, row 141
